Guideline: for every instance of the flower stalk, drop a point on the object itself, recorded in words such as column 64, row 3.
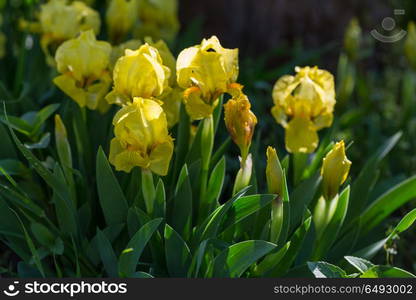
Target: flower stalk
column 148, row 190
column 207, row 144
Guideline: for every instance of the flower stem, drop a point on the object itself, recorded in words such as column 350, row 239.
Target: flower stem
column 207, row 144
column 299, row 163
column 148, row 190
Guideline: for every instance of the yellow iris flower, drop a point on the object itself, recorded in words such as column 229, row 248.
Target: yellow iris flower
column 240, row 122
column 121, row 17
column 141, row 138
column 334, row 171
column 206, row 71
column 139, row 73
column 83, row 63
column 158, row 19
column 61, row 20
column 304, row 104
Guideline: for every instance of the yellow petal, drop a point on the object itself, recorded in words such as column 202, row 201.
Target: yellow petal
column 196, row 106
column 208, row 66
column 124, row 159
column 240, row 122
column 62, row 20
column 141, row 137
column 279, row 115
column 83, row 57
column 335, row 169
column 68, row 85
column 323, row 121
column 160, row 157
column 171, row 105
column 301, row 136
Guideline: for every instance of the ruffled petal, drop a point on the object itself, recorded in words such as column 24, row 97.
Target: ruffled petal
column 301, row 136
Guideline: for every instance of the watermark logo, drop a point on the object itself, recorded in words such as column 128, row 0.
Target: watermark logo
column 64, row 288
column 12, row 290
column 393, row 34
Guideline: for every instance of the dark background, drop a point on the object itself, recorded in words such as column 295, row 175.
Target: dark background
column 259, row 26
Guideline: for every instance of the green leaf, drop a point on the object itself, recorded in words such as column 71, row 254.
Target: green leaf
column 233, row 261
column 217, row 113
column 31, row 246
column 107, row 254
column 360, row 264
column 271, row 261
column 367, row 178
column 141, row 275
column 17, row 124
column 405, row 223
column 323, row 269
column 386, row 204
column 220, row 152
column 111, row 233
column 296, row 242
column 12, row 167
column 286, row 213
column 64, row 207
column 301, row 198
column 345, row 244
column 42, row 116
column 194, row 152
column 371, row 250
column 197, row 259
column 112, row 199
column 160, row 200
column 7, row 149
column 42, row 234
column 56, row 183
column 209, row 228
column 386, row 272
column 215, row 185
column 129, row 258
column 178, row 255
column 20, row 200
column 182, row 204
column 243, row 207
column 182, row 141
column 43, row 143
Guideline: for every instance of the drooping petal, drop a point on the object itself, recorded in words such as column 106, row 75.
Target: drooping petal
column 301, row 136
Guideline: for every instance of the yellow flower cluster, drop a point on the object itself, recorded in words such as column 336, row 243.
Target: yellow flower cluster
column 61, row 20
column 304, row 104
